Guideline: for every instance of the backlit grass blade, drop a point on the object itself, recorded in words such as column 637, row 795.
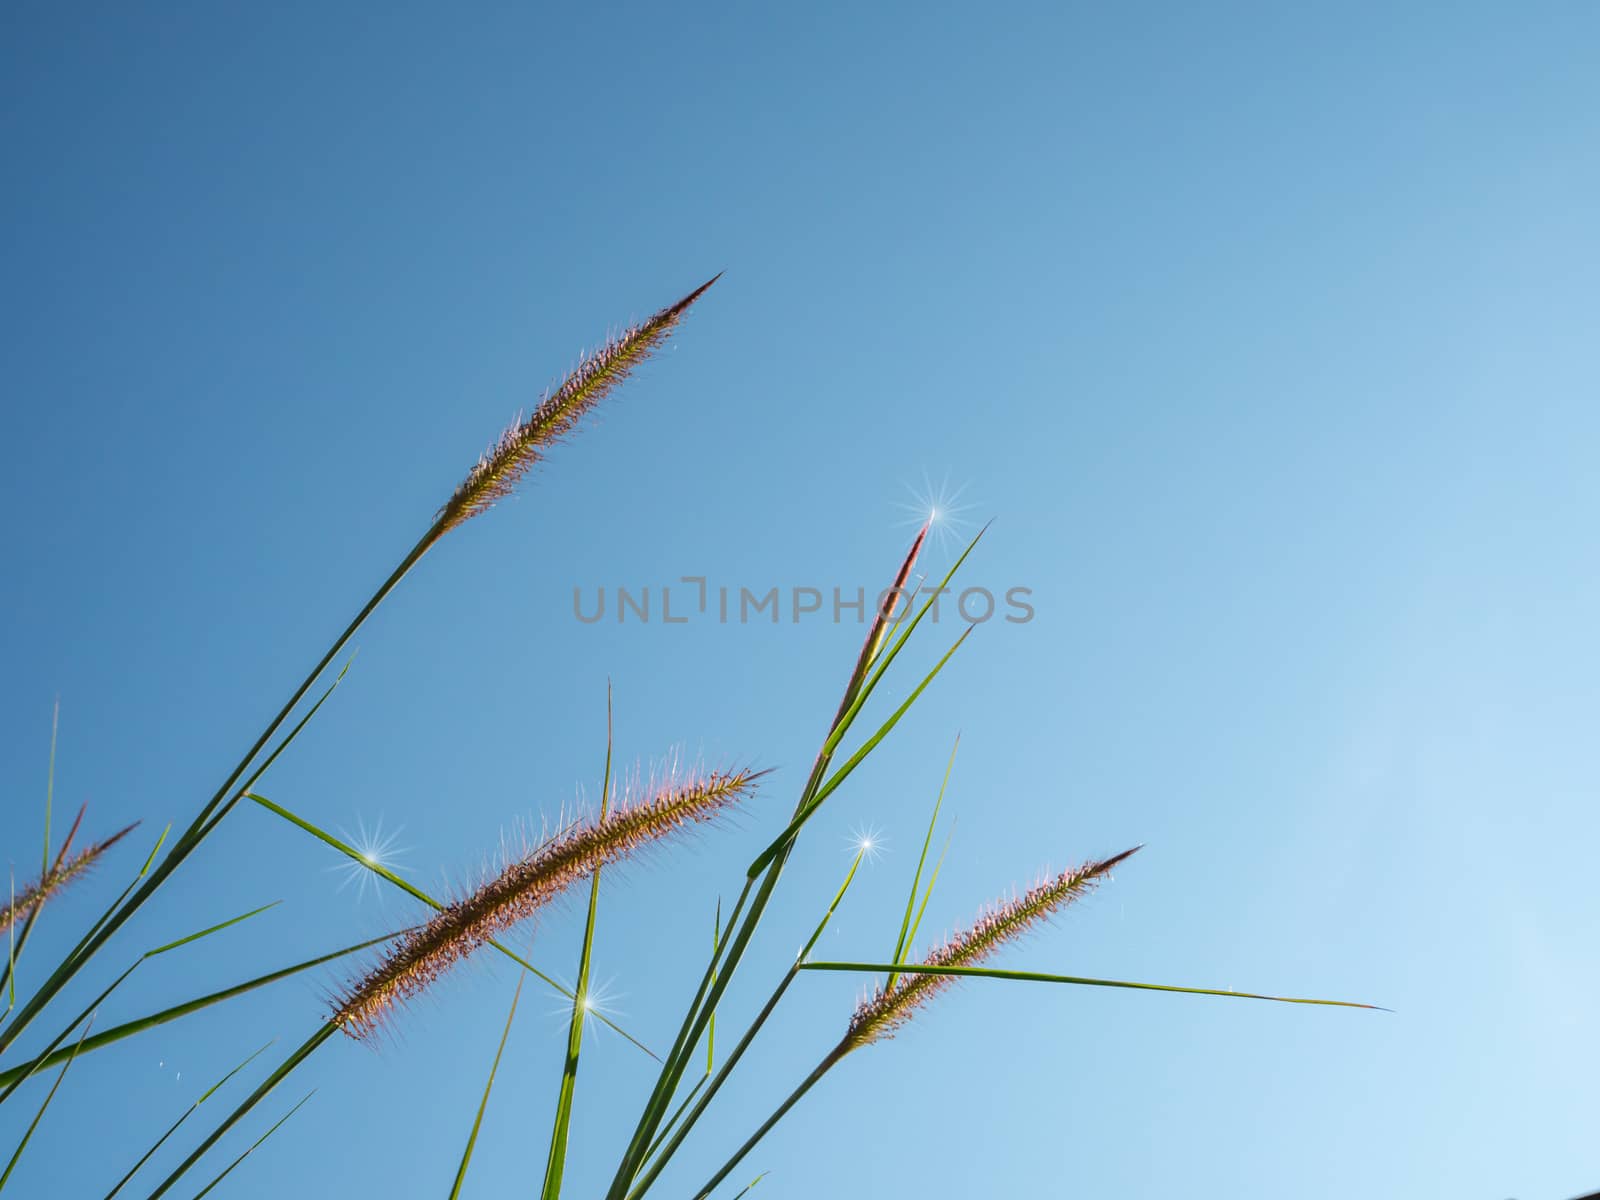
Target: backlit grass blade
column 911, row 938
column 555, row 1166
column 187, row 1113
column 217, row 928
column 655, row 1162
column 1039, row 977
column 288, row 739
column 37, row 1117
column 857, row 699
column 384, row 873
column 712, row 985
column 253, row 1147
column 901, row 943
column 125, row 904
column 61, row 1037
column 129, row 1028
column 106, row 916
column 854, row 761
column 325, row 1031
column 745, row 1190
column 477, row 1122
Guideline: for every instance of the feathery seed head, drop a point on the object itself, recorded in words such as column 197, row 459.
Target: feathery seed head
column 883, row 1012
column 528, row 883
column 62, row 872
column 559, row 413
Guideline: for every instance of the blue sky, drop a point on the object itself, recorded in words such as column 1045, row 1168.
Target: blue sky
column 1265, row 336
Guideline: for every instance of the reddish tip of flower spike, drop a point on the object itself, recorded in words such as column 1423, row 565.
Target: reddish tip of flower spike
column 1117, row 859
column 693, row 296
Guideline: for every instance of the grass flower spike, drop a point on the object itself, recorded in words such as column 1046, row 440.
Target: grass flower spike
column 529, row 883
column 63, row 872
column 882, row 1013
column 559, row 413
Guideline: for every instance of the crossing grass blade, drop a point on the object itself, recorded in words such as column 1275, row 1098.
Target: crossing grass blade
column 88, row 1012
column 135, row 895
column 656, row 1161
column 173, row 1128
column 477, row 1121
column 906, row 932
column 130, row 1028
column 37, row 1117
column 1040, row 977
column 838, row 777
column 555, row 1167
column 306, row 1049
column 712, row 985
column 254, row 1146
column 384, row 873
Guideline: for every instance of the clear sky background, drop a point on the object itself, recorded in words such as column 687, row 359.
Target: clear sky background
column 1267, row 337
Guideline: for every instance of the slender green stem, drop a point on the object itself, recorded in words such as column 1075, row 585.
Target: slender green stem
column 37, row 1117
column 821, row 1069
column 173, row 1128
column 129, row 1028
column 323, row 1033
column 198, row 828
column 717, row 976
column 477, row 1122
column 658, row 1161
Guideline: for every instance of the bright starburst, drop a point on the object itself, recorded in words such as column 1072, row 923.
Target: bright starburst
column 377, row 849
column 600, row 1000
column 940, row 506
column 867, row 841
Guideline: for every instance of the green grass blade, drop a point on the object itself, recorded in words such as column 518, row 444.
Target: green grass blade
column 61, row 1037
column 706, row 997
column 254, row 1146
column 416, row 893
column 325, row 1031
column 45, row 1055
column 555, row 1166
column 1038, row 977
column 857, row 699
column 855, row 760
column 911, row 938
column 105, row 916
column 37, row 1117
column 806, row 1084
column 655, row 1161
column 126, row 905
column 745, row 1190
column 130, row 1028
column 161, row 1141
column 900, row 946
column 711, row 1026
column 477, row 1121
column 677, row 1116
column 218, row 928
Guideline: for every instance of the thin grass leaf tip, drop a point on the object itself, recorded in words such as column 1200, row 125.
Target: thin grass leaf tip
column 559, row 413
column 528, row 883
column 64, row 871
column 882, row 1013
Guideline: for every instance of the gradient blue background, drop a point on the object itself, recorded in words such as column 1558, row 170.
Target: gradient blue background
column 1267, row 336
